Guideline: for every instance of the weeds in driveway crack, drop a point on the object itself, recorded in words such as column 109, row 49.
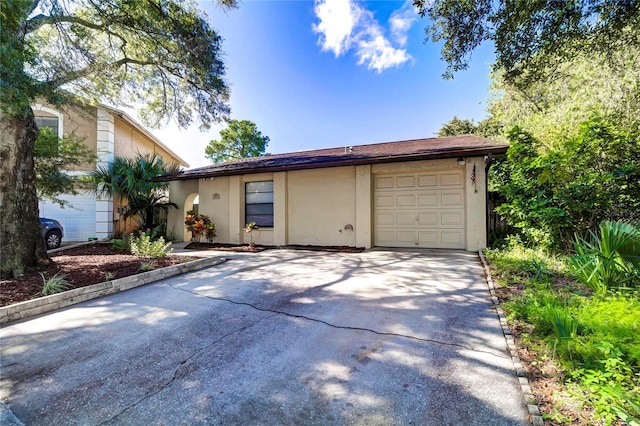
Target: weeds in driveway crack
column 342, row 327
column 181, row 365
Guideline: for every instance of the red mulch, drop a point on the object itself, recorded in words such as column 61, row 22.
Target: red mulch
column 83, row 266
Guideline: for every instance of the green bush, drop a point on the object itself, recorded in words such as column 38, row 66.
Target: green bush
column 570, row 185
column 144, row 246
column 55, row 284
column 122, row 245
column 609, row 259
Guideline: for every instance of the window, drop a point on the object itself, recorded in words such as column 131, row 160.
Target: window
column 259, row 203
column 48, row 122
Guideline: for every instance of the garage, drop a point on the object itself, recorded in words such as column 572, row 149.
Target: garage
column 424, row 209
column 78, row 219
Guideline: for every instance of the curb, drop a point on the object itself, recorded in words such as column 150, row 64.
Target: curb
column 53, row 302
column 534, row 411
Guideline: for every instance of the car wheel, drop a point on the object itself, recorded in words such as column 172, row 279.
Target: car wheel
column 53, row 239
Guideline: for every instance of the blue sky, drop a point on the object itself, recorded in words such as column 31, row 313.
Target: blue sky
column 327, row 73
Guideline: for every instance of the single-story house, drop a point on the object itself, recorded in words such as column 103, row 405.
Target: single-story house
column 427, row 193
column 108, row 132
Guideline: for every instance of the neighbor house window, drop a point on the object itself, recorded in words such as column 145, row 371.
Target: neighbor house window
column 48, row 122
column 259, row 203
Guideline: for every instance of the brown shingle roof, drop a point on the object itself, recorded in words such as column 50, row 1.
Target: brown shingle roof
column 388, row 152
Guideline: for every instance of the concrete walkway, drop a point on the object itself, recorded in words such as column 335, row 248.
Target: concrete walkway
column 278, row 337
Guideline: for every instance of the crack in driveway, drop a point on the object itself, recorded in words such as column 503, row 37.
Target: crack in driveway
column 181, row 365
column 342, row 327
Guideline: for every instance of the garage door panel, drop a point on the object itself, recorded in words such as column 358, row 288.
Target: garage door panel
column 428, row 199
column 384, row 200
column 405, row 181
column 384, row 182
column 428, row 218
column 452, row 199
column 405, row 237
column 451, row 179
column 406, row 200
column 406, row 219
column 428, row 181
column 452, row 218
column 78, row 221
column 428, row 238
column 452, row 238
column 420, row 210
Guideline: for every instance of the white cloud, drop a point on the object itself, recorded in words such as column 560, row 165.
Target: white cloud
column 401, row 21
column 345, row 25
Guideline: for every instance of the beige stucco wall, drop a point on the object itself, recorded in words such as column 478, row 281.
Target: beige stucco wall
column 77, row 120
column 181, row 192
column 129, row 141
column 321, row 203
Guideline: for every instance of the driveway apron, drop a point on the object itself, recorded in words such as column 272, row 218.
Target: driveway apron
column 280, row 337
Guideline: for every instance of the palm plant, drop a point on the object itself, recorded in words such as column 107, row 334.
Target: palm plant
column 610, row 259
column 130, row 178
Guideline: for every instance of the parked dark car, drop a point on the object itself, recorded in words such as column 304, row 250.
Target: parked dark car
column 52, row 232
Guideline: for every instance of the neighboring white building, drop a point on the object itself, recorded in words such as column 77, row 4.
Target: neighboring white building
column 109, row 132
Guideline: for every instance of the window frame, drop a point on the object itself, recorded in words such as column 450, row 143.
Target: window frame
column 247, row 203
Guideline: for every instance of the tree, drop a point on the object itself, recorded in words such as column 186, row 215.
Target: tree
column 529, row 36
column 241, row 139
column 588, row 83
column 52, row 157
column 457, row 126
column 160, row 54
column 129, row 178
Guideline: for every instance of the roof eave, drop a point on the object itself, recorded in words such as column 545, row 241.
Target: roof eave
column 466, row 152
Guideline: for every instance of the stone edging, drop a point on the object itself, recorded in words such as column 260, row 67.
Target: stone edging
column 534, row 411
column 53, row 302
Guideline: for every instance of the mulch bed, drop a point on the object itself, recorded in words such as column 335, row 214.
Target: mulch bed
column 83, row 266
column 258, row 248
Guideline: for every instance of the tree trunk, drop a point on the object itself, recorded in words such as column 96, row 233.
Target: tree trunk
column 21, row 242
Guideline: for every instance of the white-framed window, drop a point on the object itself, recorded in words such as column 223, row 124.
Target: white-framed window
column 54, row 123
column 258, row 203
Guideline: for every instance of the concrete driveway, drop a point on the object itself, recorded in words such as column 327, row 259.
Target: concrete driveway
column 280, row 337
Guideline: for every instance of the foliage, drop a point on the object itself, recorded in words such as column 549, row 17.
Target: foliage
column 148, row 265
column 554, row 106
column 210, row 232
column 457, row 126
column 55, row 284
column 553, row 193
column 199, row 225
column 121, row 244
column 108, row 276
column 161, row 56
column 529, row 38
column 248, row 228
column 610, row 259
column 241, row 139
column 144, row 246
column 53, row 157
column 130, row 178
column 594, row 338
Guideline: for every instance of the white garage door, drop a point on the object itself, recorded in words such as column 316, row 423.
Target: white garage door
column 79, row 221
column 420, row 210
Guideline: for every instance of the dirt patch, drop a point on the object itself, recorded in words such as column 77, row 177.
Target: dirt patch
column 82, row 266
column 258, row 248
column 226, row 247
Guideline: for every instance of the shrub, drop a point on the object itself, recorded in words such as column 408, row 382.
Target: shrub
column 143, row 246
column 610, row 258
column 55, row 284
column 121, row 245
column 198, row 225
column 148, row 265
